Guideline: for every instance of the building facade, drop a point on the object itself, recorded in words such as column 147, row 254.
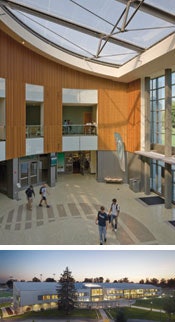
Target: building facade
column 34, row 296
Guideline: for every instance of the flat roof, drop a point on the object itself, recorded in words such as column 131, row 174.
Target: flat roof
column 33, row 286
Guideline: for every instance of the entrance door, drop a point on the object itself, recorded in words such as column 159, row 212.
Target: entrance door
column 29, row 173
column 87, row 117
column 87, row 120
column 34, row 172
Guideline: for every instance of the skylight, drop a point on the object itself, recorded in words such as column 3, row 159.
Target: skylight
column 110, row 32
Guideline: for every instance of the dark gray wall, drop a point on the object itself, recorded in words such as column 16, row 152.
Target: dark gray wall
column 108, row 165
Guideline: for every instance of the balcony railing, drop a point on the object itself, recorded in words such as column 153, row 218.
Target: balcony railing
column 79, row 129
column 34, row 131
column 2, row 132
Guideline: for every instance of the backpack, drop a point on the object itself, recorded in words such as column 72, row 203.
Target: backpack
column 117, row 207
column 40, row 190
column 28, row 193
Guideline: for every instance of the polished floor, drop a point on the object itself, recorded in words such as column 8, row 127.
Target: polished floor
column 70, row 220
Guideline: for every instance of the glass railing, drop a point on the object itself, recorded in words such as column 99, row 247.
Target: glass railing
column 34, row 131
column 79, row 129
column 2, row 132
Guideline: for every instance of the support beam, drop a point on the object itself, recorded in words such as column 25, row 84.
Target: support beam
column 168, row 138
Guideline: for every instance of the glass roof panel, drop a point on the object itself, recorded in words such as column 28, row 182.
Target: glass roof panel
column 168, row 6
column 107, row 31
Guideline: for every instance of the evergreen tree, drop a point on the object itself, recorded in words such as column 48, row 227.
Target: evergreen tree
column 66, row 292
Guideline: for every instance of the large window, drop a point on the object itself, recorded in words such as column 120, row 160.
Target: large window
column 34, row 110
column 173, row 108
column 157, row 104
column 157, row 97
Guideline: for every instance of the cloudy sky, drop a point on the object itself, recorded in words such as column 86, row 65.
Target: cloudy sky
column 112, row 264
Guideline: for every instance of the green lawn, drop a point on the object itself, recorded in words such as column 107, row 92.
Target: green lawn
column 156, row 303
column 132, row 313
column 6, row 293
column 82, row 313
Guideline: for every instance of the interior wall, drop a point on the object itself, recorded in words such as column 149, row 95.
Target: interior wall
column 108, row 165
column 75, row 113
column 118, row 103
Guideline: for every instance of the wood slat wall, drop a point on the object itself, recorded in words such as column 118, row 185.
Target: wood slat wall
column 118, row 103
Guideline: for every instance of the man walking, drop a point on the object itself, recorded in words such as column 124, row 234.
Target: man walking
column 29, row 193
column 43, row 192
column 114, row 214
column 101, row 221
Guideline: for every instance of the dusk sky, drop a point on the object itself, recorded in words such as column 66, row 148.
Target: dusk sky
column 112, row 264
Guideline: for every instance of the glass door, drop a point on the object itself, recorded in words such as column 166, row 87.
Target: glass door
column 29, row 173
column 33, row 172
column 23, row 175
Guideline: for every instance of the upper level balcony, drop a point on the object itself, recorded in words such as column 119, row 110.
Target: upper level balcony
column 79, row 129
column 34, row 131
column 79, row 137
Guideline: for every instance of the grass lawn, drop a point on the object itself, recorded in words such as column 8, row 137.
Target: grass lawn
column 6, row 293
column 132, row 313
column 156, row 303
column 82, row 313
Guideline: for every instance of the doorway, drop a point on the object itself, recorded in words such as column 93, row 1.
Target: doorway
column 29, row 173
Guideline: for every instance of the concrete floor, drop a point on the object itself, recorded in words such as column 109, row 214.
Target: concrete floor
column 70, row 220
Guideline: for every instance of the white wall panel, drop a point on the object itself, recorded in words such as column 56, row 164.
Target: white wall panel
column 79, row 143
column 34, row 146
column 2, row 151
column 78, row 96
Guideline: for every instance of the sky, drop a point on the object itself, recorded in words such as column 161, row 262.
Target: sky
column 112, row 264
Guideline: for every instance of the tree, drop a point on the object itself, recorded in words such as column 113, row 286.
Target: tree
column 141, row 281
column 107, row 280
column 36, row 279
column 66, row 292
column 50, row 279
column 154, row 281
column 9, row 283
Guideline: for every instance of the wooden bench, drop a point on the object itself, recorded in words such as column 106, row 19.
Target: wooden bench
column 113, row 180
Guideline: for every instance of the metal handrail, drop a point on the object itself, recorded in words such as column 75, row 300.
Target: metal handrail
column 79, row 129
column 33, row 131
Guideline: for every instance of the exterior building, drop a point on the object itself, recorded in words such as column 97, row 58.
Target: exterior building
column 34, row 296
column 60, row 113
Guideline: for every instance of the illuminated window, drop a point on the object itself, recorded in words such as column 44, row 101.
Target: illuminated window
column 46, row 297
column 96, row 292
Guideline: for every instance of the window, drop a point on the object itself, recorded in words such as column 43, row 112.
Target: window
column 34, row 110
column 157, row 103
column 157, row 109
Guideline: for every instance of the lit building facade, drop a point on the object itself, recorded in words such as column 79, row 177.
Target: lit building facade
column 32, row 296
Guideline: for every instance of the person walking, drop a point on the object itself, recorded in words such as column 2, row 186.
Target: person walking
column 30, row 193
column 43, row 192
column 114, row 214
column 101, row 221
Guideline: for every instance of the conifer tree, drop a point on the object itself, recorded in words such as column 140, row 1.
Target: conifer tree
column 66, row 292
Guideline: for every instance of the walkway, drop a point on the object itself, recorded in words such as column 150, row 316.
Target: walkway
column 70, row 220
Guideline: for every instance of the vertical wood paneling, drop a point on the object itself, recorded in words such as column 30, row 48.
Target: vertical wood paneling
column 133, row 122
column 118, row 104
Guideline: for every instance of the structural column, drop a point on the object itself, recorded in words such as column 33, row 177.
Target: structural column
column 147, row 136
column 168, row 138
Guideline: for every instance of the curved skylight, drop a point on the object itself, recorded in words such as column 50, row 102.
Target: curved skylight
column 111, row 32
